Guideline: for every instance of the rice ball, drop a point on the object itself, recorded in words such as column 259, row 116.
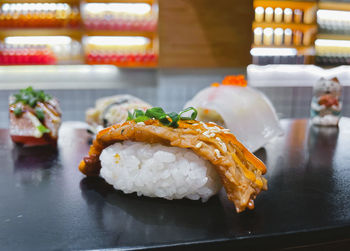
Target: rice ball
column 156, row 170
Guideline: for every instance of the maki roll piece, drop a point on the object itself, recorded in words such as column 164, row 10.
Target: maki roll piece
column 112, row 110
column 172, row 156
column 35, row 118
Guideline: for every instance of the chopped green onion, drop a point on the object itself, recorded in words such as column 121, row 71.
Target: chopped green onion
column 39, row 114
column 138, row 113
column 43, row 129
column 28, row 89
column 130, row 117
column 174, row 119
column 155, row 112
column 18, row 111
column 141, row 119
column 30, row 97
column 32, row 101
column 193, row 115
column 167, row 119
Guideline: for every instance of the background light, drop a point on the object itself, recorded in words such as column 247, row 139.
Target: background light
column 127, row 8
column 332, row 43
column 273, row 52
column 24, row 7
column 116, row 40
column 335, row 15
column 38, row 40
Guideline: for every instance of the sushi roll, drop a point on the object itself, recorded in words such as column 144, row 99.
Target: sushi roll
column 233, row 101
column 173, row 157
column 111, row 110
column 35, row 118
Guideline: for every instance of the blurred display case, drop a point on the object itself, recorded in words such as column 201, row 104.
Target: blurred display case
column 23, row 50
column 122, row 51
column 120, row 32
column 39, row 15
column 333, row 40
column 284, row 32
column 120, row 16
column 77, row 32
column 301, row 32
column 38, row 55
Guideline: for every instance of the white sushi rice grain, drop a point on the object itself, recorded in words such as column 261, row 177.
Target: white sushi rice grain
column 156, row 170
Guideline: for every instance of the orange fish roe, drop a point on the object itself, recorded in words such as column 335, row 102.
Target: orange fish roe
column 215, row 85
column 235, row 80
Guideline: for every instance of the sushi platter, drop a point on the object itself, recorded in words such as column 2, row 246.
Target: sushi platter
column 48, row 204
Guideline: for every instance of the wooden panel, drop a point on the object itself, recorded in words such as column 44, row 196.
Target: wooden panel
column 334, row 6
column 334, row 36
column 74, row 33
column 303, row 27
column 205, row 33
column 285, row 4
column 119, row 33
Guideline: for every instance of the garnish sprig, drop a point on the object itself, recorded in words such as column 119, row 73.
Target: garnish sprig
column 29, row 96
column 168, row 119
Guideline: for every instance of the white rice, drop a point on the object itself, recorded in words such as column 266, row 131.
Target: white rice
column 161, row 171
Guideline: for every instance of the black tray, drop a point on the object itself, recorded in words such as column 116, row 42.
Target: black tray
column 47, row 204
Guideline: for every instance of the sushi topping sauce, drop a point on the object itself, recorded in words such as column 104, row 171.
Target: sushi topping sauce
column 168, row 119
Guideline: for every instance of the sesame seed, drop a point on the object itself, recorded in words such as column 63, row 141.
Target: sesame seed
column 199, row 145
column 206, row 133
column 204, row 125
column 222, row 144
column 217, row 153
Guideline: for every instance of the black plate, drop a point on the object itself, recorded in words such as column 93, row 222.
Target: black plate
column 47, row 204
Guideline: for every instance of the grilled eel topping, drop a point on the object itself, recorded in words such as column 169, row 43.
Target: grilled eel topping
column 240, row 171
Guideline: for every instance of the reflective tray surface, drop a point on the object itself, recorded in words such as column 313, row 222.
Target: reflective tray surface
column 47, row 204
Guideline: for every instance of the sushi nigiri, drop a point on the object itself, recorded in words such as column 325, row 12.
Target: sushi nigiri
column 234, row 101
column 112, row 110
column 35, row 118
column 170, row 156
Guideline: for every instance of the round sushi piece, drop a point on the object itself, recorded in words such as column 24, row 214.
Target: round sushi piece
column 247, row 112
column 156, row 170
column 112, row 110
column 170, row 156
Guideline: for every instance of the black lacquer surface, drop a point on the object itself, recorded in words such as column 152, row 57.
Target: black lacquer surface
column 46, row 204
